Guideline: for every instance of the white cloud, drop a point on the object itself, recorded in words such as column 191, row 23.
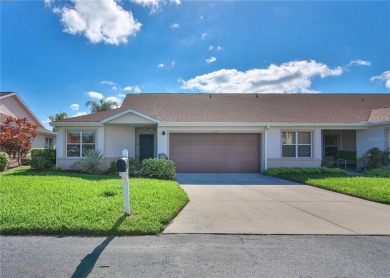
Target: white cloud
column 79, row 114
column 130, row 89
column 211, row 60
column 96, row 95
column 218, row 48
column 291, row 77
column 201, row 17
column 48, row 3
column 384, row 77
column 75, row 106
column 203, row 36
column 175, row 25
column 98, row 20
column 168, row 65
column 137, row 90
column 359, row 63
column 114, row 99
column 107, row 82
column 154, row 5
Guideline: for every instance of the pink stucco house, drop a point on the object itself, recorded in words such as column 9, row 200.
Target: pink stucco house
column 12, row 105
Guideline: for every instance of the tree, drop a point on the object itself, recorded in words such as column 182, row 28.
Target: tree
column 102, row 105
column 16, row 136
column 58, row 117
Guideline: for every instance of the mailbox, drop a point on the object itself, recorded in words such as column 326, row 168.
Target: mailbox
column 122, row 164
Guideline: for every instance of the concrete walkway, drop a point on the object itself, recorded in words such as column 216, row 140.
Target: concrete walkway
column 269, row 208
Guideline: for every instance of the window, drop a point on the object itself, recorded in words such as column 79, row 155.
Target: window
column 78, row 142
column 48, row 143
column 296, row 144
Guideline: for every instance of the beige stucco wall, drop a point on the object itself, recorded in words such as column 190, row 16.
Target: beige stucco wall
column 117, row 138
column 373, row 137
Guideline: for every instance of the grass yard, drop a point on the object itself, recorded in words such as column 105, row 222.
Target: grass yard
column 375, row 189
column 81, row 204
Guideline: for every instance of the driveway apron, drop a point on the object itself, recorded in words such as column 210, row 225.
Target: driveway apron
column 256, row 204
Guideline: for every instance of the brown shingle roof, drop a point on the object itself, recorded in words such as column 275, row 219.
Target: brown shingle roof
column 5, row 93
column 379, row 115
column 281, row 108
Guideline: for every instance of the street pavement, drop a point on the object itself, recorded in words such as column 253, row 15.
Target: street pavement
column 196, row 256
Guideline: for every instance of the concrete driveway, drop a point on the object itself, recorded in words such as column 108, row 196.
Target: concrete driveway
column 255, row 204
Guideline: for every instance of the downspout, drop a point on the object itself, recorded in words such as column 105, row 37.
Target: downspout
column 266, row 147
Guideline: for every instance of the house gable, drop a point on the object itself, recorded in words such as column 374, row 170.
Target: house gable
column 130, row 116
column 12, row 105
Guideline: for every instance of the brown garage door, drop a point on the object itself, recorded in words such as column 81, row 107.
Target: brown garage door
column 222, row 152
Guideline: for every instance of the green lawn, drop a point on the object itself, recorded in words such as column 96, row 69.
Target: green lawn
column 375, row 189
column 81, row 204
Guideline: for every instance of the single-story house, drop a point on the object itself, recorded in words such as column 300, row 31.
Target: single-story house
column 231, row 132
column 12, row 105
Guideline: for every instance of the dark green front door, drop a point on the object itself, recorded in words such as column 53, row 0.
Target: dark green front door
column 146, row 146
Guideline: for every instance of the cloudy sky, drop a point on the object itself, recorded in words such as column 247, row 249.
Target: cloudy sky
column 59, row 54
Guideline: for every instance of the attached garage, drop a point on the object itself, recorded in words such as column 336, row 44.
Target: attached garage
column 215, row 152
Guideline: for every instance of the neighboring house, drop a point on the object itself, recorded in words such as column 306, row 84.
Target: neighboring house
column 12, row 105
column 231, row 132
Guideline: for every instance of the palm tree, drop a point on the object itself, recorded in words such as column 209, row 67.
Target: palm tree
column 58, row 117
column 102, row 105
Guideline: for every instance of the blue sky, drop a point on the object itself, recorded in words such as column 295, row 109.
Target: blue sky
column 59, row 54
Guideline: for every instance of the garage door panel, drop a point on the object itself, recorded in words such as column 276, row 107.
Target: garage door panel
column 215, row 152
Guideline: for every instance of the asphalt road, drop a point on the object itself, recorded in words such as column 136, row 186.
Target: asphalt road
column 196, row 256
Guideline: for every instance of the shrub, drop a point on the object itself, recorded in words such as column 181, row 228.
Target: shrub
column 375, row 158
column 158, row 168
column 378, row 173
column 135, row 166
column 92, row 163
column 112, row 169
column 43, row 158
column 300, row 171
column 57, row 168
column 4, row 161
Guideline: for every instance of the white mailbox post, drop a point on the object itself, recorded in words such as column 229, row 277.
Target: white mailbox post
column 122, row 165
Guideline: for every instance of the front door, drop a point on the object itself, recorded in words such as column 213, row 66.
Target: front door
column 146, row 146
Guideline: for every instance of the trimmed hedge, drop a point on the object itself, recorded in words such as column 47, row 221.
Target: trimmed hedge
column 378, row 173
column 158, row 168
column 43, row 158
column 4, row 161
column 299, row 171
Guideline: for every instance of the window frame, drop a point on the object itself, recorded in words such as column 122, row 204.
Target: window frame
column 297, row 144
column 48, row 142
column 80, row 144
